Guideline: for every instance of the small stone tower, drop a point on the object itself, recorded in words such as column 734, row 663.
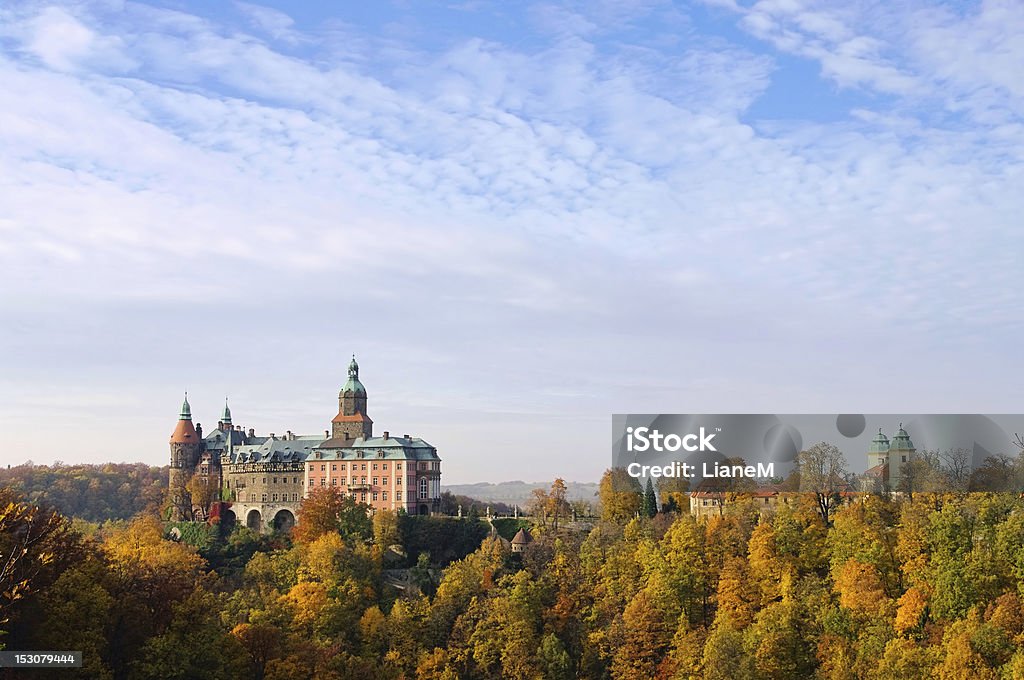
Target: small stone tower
column 352, row 421
column 185, row 447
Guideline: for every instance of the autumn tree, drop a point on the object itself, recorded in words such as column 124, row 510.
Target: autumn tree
column 386, row 531
column 261, row 643
column 36, row 544
column 326, row 510
column 823, row 473
column 557, row 505
column 620, row 496
column 203, row 492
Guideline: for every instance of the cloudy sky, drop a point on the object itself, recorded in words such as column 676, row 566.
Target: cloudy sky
column 520, row 217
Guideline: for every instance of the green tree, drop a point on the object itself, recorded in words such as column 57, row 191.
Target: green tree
column 650, row 502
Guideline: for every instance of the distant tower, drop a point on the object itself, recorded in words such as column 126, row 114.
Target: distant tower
column 901, row 452
column 185, row 447
column 878, row 454
column 352, row 421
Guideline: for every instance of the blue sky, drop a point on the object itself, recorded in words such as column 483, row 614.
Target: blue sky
column 522, row 217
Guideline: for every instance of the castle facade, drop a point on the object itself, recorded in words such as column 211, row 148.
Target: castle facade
column 261, row 480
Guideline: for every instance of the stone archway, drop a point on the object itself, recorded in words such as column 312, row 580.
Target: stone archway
column 284, row 520
column 254, row 520
column 228, row 519
column 424, row 510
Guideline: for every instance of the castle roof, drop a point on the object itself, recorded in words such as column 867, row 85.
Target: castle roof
column 356, row 418
column 901, row 441
column 275, row 450
column 218, row 439
column 412, row 448
column 880, row 444
column 353, row 385
column 522, row 537
column 184, row 431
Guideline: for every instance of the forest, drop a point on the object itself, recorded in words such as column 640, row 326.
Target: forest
column 928, row 585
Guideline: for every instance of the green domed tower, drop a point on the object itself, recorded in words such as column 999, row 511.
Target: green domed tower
column 901, row 450
column 352, row 421
column 878, row 453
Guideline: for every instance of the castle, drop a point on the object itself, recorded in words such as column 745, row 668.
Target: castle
column 261, row 480
column 886, row 460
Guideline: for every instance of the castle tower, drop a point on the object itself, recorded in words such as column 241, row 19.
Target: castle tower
column 878, row 454
column 185, row 445
column 901, row 451
column 352, row 421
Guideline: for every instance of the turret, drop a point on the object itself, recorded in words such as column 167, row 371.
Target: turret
column 185, row 447
column 352, row 421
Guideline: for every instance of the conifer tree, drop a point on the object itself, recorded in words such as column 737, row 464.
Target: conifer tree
column 650, row 503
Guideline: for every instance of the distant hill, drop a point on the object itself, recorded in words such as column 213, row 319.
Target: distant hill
column 518, row 492
column 92, row 492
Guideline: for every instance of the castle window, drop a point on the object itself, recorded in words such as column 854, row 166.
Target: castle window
column 264, row 498
column 398, row 495
column 423, row 487
column 375, row 480
column 374, row 496
column 384, row 495
column 380, row 454
column 364, row 466
column 275, row 497
column 323, row 468
column 334, row 467
column 363, row 496
column 334, row 482
column 364, row 480
column 275, row 480
column 343, row 481
column 295, row 480
column 323, row 482
column 374, row 466
column 264, row 480
column 384, row 466
column 385, row 481
column 398, row 466
column 295, row 496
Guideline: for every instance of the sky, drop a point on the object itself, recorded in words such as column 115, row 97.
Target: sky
column 520, row 217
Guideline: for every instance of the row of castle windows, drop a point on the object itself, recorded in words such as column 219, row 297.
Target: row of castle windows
column 423, row 486
column 383, row 466
column 283, row 497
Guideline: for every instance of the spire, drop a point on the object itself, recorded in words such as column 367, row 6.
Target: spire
column 186, row 410
column 353, row 368
column 226, row 418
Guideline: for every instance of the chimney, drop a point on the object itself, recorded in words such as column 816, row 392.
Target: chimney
column 289, row 436
column 220, row 424
column 327, row 434
column 252, row 432
column 386, row 434
column 406, row 436
column 199, row 430
column 272, row 436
